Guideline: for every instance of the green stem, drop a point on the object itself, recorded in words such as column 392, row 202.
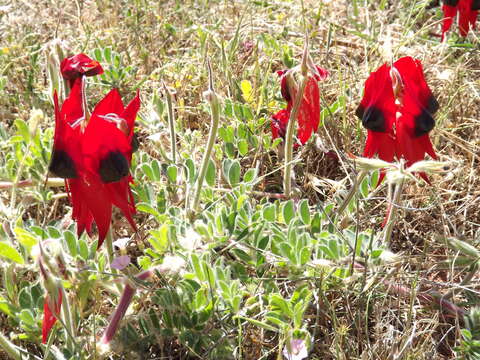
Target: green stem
column 392, row 214
column 352, row 192
column 287, row 176
column 171, row 124
column 10, row 348
column 67, row 318
column 110, row 257
column 212, row 98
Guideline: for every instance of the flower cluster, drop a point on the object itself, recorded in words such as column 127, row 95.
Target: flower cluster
column 93, row 152
column 467, row 15
column 397, row 110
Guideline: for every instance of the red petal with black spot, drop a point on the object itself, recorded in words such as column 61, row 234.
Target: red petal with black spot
column 107, row 152
column 66, row 158
column 377, row 110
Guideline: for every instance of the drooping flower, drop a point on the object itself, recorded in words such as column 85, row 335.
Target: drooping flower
column 467, row 15
column 53, row 297
column 93, row 155
column 49, row 317
column 309, row 110
column 79, row 65
column 397, row 110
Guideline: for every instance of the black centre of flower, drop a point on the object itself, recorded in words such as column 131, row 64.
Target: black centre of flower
column 113, row 167
column 450, row 2
column 424, row 122
column 372, row 118
column 475, row 5
column 62, row 165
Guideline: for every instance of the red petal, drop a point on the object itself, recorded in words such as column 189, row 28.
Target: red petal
column 467, row 17
column 66, row 158
column 130, row 114
column 449, row 13
column 418, row 107
column 106, row 149
column 121, row 196
column 377, row 111
column 80, row 208
column 279, row 122
column 309, row 111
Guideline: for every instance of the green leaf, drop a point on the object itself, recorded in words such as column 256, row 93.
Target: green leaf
column 288, row 211
column 304, row 211
column 25, row 238
column 250, row 175
column 147, row 208
column 269, row 213
column 234, row 173
column 190, row 171
column 172, row 174
column 243, row 147
column 9, row 252
column 316, row 223
column 83, row 249
column 258, row 323
column 156, row 170
column 196, row 266
column 159, row 239
column 230, row 150
column 71, row 242
column 23, row 130
column 210, row 175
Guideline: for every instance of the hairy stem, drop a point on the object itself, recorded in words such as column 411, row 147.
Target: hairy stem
column 212, row 98
column 171, row 124
column 351, row 193
column 392, row 214
column 122, row 308
column 287, row 176
column 10, row 348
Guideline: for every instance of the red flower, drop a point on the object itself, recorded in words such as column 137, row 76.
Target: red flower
column 95, row 159
column 50, row 318
column 397, row 110
column 467, row 15
column 79, row 65
column 309, row 111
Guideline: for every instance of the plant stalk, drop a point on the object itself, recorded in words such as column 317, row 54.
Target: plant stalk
column 212, row 98
column 287, row 179
column 361, row 175
column 171, row 124
column 392, row 213
column 122, row 307
column 110, row 256
column 68, row 320
column 10, row 348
